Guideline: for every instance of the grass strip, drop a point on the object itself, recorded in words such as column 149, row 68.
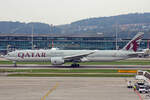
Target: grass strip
column 61, row 70
column 122, row 62
column 69, row 75
column 10, row 62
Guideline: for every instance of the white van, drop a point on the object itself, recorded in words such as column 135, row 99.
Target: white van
column 142, row 89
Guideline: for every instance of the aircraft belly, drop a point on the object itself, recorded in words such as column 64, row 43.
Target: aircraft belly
column 97, row 59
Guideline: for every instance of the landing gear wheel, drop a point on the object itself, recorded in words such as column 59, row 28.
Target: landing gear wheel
column 75, row 65
column 14, row 62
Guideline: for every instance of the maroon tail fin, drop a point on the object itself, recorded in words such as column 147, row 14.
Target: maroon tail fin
column 134, row 43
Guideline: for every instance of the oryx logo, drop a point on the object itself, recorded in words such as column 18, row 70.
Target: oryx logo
column 134, row 44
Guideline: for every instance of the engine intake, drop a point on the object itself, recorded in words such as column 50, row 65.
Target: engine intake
column 57, row 61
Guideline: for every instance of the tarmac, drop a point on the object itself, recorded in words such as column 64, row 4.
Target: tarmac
column 65, row 88
column 35, row 66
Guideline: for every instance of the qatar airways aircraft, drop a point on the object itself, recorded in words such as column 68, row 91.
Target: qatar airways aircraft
column 59, row 57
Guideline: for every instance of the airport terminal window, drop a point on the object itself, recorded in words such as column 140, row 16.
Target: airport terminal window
column 61, row 38
column 3, row 38
column 39, row 38
column 101, row 43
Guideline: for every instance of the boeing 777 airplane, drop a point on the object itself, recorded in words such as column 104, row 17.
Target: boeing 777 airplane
column 59, row 57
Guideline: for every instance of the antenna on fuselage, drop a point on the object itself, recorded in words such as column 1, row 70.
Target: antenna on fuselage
column 53, row 48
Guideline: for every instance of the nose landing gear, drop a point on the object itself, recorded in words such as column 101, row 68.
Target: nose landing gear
column 14, row 62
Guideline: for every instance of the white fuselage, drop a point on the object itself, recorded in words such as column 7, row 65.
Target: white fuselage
column 46, row 55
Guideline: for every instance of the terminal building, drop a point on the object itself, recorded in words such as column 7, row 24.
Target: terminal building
column 75, row 42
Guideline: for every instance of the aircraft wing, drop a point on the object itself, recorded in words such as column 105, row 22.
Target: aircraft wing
column 78, row 56
column 136, row 54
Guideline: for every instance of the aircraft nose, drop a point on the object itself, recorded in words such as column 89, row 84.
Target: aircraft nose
column 7, row 55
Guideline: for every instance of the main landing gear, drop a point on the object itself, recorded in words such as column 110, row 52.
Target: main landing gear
column 75, row 65
column 14, row 63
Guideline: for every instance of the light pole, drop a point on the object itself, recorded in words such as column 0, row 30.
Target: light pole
column 116, row 37
column 32, row 37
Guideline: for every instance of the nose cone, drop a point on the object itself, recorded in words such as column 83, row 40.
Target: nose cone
column 4, row 57
column 9, row 54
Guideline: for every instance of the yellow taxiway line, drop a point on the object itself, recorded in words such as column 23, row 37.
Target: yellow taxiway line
column 50, row 91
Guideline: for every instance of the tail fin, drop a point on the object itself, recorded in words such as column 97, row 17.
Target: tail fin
column 134, row 43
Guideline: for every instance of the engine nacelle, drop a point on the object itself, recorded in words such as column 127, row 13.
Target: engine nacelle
column 57, row 61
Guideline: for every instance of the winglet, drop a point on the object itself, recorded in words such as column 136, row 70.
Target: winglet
column 134, row 43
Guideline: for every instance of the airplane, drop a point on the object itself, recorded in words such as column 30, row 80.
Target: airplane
column 59, row 57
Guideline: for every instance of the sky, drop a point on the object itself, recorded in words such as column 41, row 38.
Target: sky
column 59, row 12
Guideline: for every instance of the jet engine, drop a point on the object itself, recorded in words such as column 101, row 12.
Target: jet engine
column 57, row 61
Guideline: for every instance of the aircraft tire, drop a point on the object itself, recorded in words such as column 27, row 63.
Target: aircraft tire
column 75, row 65
column 14, row 63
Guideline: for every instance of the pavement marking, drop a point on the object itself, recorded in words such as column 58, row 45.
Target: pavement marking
column 140, row 97
column 50, row 91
